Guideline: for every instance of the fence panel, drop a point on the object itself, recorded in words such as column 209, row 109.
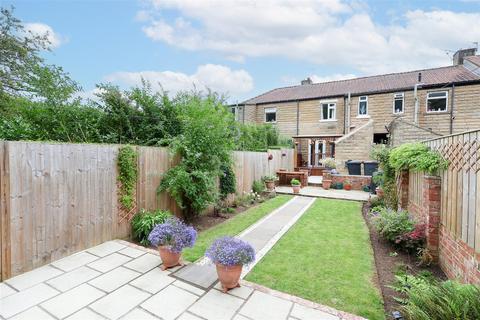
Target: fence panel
column 460, row 208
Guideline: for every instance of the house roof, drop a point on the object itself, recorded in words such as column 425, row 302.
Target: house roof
column 365, row 85
column 474, row 60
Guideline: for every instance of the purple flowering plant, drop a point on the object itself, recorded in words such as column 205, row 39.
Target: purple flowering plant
column 174, row 234
column 230, row 251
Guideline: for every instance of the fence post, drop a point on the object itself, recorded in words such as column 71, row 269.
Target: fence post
column 5, row 253
column 402, row 189
column 431, row 205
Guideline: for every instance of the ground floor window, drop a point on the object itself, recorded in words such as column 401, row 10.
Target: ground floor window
column 380, row 138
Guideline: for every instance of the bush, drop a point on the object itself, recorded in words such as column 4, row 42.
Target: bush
column 413, row 240
column 258, row 186
column 144, row 221
column 391, row 224
column 295, row 182
column 381, row 153
column 429, row 299
column 416, row 157
column 227, row 181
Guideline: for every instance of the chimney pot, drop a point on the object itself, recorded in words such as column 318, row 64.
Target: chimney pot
column 306, row 81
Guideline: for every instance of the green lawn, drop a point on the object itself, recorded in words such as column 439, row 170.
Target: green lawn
column 232, row 226
column 325, row 257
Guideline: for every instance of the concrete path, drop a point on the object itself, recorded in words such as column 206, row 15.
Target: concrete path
column 261, row 235
column 319, row 192
column 120, row 280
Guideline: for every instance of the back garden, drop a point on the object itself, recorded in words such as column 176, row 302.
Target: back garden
column 276, row 256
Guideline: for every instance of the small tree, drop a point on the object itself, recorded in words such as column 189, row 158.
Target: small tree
column 204, row 146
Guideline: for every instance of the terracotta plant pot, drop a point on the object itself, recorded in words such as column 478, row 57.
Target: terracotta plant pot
column 169, row 259
column 326, row 184
column 347, row 186
column 379, row 192
column 296, row 189
column 229, row 276
column 270, row 185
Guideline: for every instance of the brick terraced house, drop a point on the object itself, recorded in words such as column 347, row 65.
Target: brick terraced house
column 343, row 119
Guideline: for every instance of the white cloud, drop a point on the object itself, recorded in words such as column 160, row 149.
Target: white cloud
column 218, row 78
column 42, row 29
column 326, row 32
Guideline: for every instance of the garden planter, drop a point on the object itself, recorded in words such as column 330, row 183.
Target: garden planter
column 270, row 185
column 229, row 276
column 326, row 184
column 296, row 189
column 347, row 186
column 169, row 259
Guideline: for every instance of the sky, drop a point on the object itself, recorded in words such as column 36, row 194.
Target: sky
column 244, row 48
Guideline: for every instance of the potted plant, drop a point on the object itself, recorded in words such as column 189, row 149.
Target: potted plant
column 229, row 255
column 171, row 238
column 326, row 183
column 347, row 185
column 270, row 182
column 295, row 185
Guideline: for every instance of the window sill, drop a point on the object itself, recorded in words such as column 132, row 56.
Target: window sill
column 270, row 122
column 329, row 120
column 363, row 117
column 436, row 112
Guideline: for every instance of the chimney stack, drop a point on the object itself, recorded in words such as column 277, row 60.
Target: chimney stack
column 306, row 81
column 462, row 53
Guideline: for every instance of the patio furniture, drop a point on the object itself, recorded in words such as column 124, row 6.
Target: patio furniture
column 284, row 177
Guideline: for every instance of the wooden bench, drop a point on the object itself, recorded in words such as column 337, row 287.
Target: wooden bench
column 285, row 177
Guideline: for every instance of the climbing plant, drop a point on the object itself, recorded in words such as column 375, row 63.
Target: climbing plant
column 227, row 181
column 127, row 177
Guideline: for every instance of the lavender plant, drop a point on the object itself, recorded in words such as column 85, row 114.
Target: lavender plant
column 230, row 251
column 174, row 234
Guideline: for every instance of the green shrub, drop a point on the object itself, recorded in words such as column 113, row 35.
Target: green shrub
column 144, row 221
column 429, row 299
column 417, row 157
column 258, row 186
column 295, row 182
column 227, row 181
column 381, row 153
column 127, row 176
column 391, row 224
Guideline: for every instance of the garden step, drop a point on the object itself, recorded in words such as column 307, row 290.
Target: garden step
column 259, row 235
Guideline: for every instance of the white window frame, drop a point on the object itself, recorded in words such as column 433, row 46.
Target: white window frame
column 397, row 96
column 358, row 107
column 435, row 98
column 234, row 111
column 330, row 105
column 270, row 110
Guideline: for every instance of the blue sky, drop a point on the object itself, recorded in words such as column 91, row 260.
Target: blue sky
column 245, row 48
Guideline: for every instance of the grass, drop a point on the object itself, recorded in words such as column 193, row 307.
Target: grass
column 232, row 226
column 325, row 257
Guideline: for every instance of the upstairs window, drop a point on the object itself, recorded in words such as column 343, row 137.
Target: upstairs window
column 398, row 102
column 328, row 111
column 437, row 101
column 271, row 115
column 363, row 106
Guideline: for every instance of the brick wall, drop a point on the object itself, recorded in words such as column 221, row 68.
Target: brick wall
column 456, row 258
column 356, row 145
column 357, row 182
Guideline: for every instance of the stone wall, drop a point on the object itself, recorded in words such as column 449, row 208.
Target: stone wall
column 402, row 131
column 356, row 145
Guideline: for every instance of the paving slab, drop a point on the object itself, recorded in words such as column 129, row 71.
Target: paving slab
column 216, row 305
column 242, row 292
column 71, row 301
column 144, row 263
column 34, row 313
column 31, row 278
column 6, row 290
column 262, row 306
column 132, row 252
column 169, row 303
column 85, row 314
column 109, row 262
column 139, row 314
column 106, row 248
column 153, row 281
column 114, row 279
column 189, row 316
column 73, row 278
column 74, row 261
column 304, row 313
column 119, row 302
column 186, row 286
column 25, row 299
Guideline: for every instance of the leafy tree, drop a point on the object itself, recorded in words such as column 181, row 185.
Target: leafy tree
column 204, row 147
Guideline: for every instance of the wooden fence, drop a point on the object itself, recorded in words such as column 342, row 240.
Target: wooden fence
column 57, row 199
column 460, row 209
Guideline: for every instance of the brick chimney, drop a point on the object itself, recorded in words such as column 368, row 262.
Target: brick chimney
column 462, row 53
column 306, row 81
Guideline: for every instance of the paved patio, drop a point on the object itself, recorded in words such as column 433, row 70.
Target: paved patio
column 319, row 192
column 119, row 280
